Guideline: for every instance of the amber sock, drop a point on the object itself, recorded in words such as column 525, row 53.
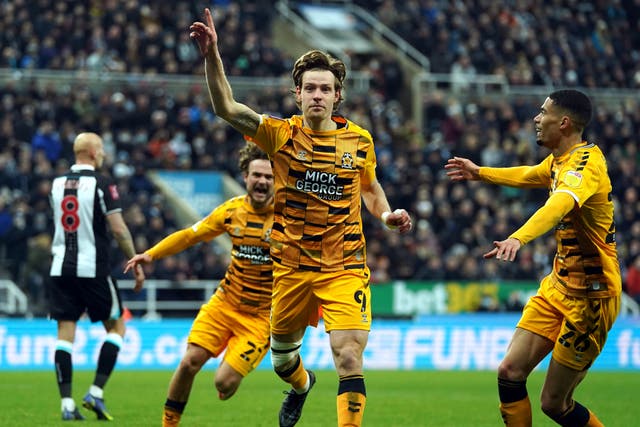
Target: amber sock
column 351, row 400
column 172, row 413
column 594, row 421
column 515, row 406
column 296, row 376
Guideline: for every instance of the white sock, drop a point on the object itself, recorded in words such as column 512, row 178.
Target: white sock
column 68, row 404
column 96, row 391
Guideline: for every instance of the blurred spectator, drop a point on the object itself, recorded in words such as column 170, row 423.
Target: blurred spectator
column 632, row 279
column 36, row 269
column 16, row 238
column 515, row 301
column 462, row 73
column 47, row 140
column 488, row 303
column 6, row 218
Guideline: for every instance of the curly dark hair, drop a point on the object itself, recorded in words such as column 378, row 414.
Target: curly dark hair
column 249, row 153
column 318, row 60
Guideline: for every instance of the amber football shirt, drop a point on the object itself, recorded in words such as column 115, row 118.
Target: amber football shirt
column 248, row 281
column 586, row 262
column 317, row 179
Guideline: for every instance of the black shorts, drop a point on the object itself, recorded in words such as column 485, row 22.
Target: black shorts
column 70, row 297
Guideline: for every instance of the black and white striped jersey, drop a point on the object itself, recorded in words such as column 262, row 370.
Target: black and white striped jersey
column 80, row 200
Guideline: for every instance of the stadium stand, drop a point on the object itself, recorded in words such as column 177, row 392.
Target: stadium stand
column 150, row 126
column 529, row 42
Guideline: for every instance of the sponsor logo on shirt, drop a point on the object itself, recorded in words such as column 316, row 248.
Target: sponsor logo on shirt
column 255, row 254
column 322, row 184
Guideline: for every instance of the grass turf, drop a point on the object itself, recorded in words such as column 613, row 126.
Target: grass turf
column 408, row 399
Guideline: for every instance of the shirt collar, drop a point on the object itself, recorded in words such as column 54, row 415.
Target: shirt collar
column 82, row 167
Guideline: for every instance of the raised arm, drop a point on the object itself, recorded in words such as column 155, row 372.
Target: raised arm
column 238, row 115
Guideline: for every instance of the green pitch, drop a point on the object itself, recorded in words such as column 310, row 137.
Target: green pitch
column 407, row 399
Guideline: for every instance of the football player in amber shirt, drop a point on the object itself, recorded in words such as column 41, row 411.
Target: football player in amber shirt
column 577, row 303
column 324, row 166
column 236, row 318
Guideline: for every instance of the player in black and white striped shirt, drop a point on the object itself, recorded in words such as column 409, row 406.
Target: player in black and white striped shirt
column 86, row 205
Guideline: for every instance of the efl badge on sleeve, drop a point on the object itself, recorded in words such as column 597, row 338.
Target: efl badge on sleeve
column 573, row 179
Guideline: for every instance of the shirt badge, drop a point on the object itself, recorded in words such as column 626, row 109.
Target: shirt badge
column 573, row 179
column 347, row 161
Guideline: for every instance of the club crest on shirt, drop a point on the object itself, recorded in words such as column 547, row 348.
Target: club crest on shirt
column 347, row 161
column 302, row 155
column 573, row 179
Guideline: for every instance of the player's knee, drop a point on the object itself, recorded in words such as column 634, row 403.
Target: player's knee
column 121, row 328
column 226, row 386
column 509, row 371
column 284, row 354
column 191, row 364
column 503, row 371
column 115, row 326
column 349, row 364
column 348, row 356
column 552, row 405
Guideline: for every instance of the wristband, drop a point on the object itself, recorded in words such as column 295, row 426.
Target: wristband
column 384, row 217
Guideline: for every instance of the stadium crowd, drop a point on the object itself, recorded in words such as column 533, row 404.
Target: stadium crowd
column 146, row 128
column 534, row 42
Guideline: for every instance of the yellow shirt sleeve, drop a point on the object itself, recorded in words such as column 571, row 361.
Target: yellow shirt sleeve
column 519, row 176
column 272, row 133
column 545, row 218
column 203, row 230
column 369, row 170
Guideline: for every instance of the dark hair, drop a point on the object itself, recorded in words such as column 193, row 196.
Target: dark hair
column 318, row 60
column 576, row 104
column 249, row 153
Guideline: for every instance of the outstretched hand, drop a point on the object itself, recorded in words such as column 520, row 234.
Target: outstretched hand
column 204, row 33
column 460, row 169
column 135, row 264
column 504, row 250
